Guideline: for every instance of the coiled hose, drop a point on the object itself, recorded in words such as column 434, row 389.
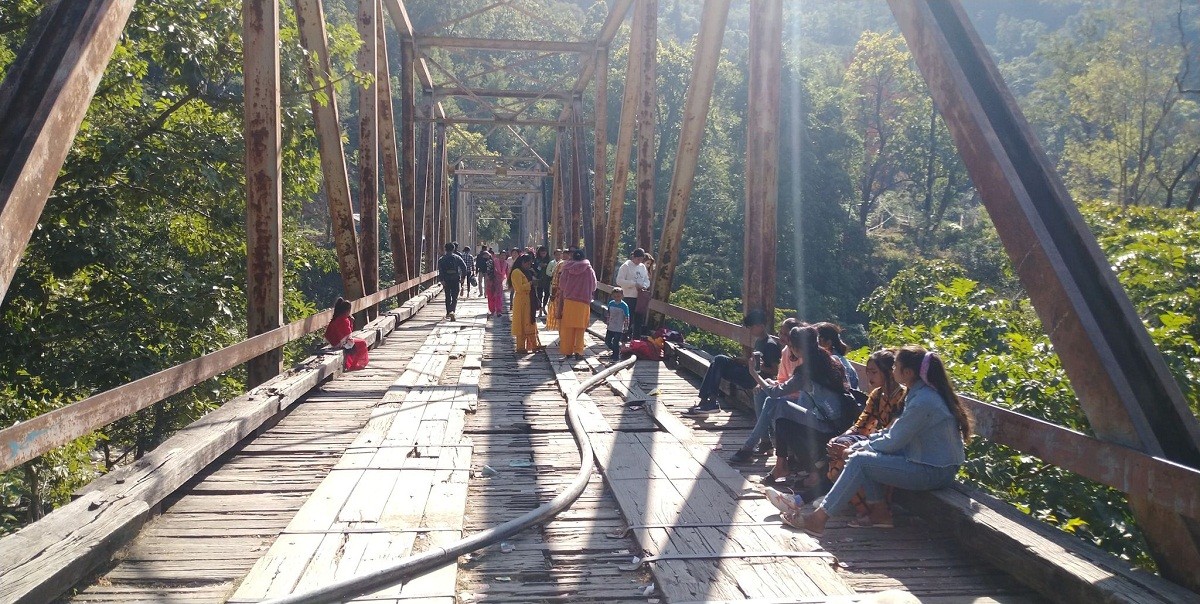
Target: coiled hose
column 347, row 589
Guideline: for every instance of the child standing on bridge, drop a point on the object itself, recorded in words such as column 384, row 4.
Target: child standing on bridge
column 618, row 323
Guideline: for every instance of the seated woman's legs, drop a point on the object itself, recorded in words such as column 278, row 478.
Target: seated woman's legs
column 796, row 441
column 873, row 472
column 765, row 421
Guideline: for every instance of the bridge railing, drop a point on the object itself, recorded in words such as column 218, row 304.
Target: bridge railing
column 1128, row 470
column 33, row 437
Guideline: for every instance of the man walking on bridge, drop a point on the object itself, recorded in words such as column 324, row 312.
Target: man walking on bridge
column 451, row 271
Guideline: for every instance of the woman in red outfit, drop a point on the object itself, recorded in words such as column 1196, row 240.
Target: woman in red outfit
column 338, row 336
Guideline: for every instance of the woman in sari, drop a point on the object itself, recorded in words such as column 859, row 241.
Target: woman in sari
column 524, row 325
column 495, row 286
column 577, row 284
column 338, row 333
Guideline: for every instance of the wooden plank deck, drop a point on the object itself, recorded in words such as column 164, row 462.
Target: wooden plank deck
column 916, row 557
column 214, row 529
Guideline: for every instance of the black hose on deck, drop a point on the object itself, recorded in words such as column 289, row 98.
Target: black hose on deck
column 342, row 591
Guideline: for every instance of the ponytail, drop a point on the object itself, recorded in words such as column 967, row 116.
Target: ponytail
column 928, row 365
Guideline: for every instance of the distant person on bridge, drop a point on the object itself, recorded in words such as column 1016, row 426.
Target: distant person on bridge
column 469, row 280
column 524, row 309
column 577, row 284
column 633, row 279
column 737, row 371
column 543, row 264
column 354, row 350
column 451, row 272
column 482, row 271
column 492, row 275
column 921, row 451
column 554, row 306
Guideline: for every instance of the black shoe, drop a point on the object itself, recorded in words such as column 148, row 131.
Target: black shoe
column 743, row 455
column 764, row 448
column 704, row 408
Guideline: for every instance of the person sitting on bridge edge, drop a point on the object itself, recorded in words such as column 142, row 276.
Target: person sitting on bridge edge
column 354, row 350
column 803, row 426
column 831, row 340
column 451, row 271
column 921, row 451
column 737, row 371
column 633, row 279
column 759, row 441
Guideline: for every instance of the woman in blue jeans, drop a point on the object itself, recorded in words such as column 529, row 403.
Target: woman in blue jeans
column 921, row 451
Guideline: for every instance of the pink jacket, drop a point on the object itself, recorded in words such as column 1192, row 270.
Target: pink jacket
column 577, row 281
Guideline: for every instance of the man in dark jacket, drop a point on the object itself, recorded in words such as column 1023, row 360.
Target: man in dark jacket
column 451, row 272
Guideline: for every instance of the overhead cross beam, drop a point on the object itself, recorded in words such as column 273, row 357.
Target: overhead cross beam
column 503, row 44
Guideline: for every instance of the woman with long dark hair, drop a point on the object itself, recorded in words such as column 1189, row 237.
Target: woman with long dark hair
column 803, row 426
column 524, row 323
column 337, row 334
column 830, row 338
column 541, row 278
column 921, row 451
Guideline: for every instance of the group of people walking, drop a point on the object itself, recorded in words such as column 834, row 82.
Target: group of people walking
column 829, row 437
column 554, row 287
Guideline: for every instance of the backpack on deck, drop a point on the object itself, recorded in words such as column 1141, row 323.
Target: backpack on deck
column 450, row 269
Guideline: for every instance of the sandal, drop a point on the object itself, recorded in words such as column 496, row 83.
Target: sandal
column 796, row 521
column 866, row 522
column 783, row 502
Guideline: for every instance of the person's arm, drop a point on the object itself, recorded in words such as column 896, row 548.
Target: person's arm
column 623, row 279
column 911, row 423
column 642, row 276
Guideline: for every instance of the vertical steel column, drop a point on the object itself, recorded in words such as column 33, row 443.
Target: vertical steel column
column 1120, row 377
column 578, row 180
column 389, row 155
column 556, row 196
column 616, row 205
column 647, row 108
column 599, row 209
column 762, row 156
column 262, row 131
column 310, row 16
column 368, row 147
column 424, row 140
column 427, row 191
column 43, row 99
column 695, row 118
column 408, row 154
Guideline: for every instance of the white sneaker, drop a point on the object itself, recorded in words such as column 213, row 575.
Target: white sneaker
column 784, row 502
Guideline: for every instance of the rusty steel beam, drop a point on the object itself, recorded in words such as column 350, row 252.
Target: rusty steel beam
column 408, row 154
column 608, row 31
column 556, row 198
column 502, row 44
column 599, row 209
column 445, row 186
column 582, row 218
column 389, row 156
column 400, row 20
column 625, row 127
column 42, row 103
column 762, row 157
column 439, row 180
column 1122, row 382
column 310, row 16
column 488, row 121
column 695, row 117
column 427, row 194
column 497, row 93
column 368, row 150
column 647, row 109
column 576, row 153
column 262, row 131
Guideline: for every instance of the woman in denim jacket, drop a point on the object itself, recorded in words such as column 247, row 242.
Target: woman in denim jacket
column 921, row 451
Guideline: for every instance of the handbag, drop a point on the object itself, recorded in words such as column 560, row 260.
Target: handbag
column 643, row 302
